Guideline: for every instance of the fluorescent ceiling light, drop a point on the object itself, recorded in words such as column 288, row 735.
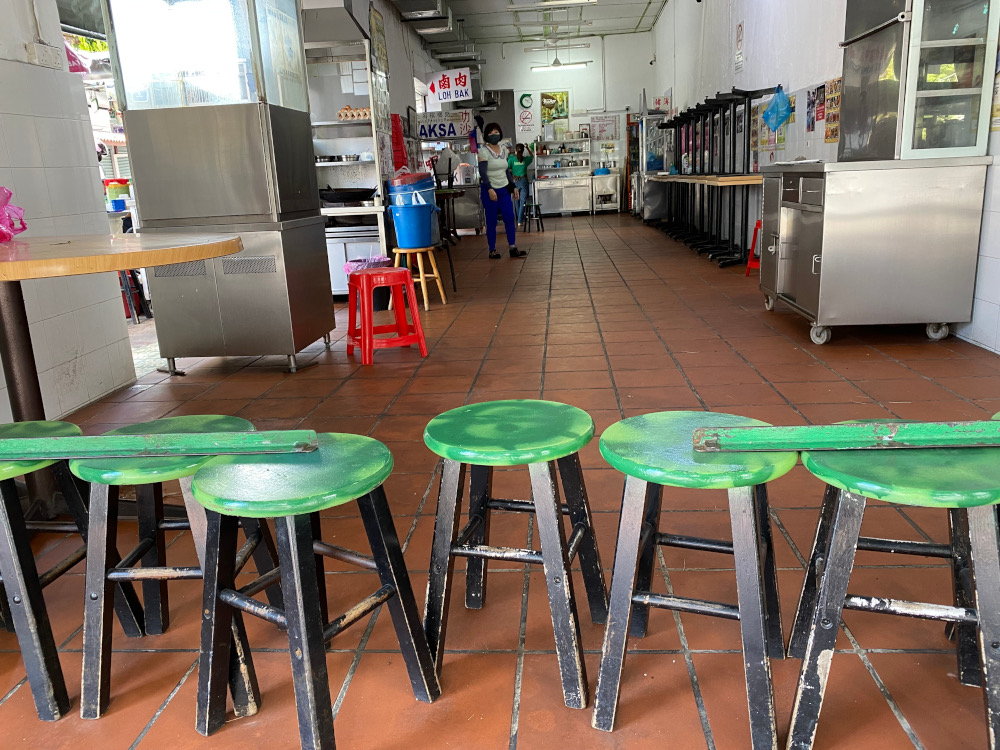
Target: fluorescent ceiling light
column 514, row 8
column 564, row 66
column 557, row 49
column 541, row 23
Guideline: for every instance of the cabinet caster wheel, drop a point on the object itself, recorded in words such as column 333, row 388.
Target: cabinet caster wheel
column 820, row 335
column 937, row 331
column 768, row 302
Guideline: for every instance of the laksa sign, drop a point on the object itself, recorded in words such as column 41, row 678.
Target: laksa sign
column 439, row 125
column 451, row 85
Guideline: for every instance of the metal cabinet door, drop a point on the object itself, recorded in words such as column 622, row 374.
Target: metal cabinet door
column 550, row 198
column 770, row 235
column 802, row 251
column 576, row 196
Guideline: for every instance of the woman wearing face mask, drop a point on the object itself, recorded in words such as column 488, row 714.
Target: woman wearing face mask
column 496, row 189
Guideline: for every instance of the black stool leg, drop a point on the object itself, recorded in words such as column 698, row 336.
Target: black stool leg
column 559, row 581
column 305, row 632
column 221, row 627
column 442, row 563
column 985, row 559
column 27, row 609
column 101, row 556
column 402, row 607
column 745, row 520
column 479, row 506
column 647, row 558
column 575, row 491
column 772, row 604
column 149, row 507
column 808, row 599
column 127, row 604
column 965, row 633
column 317, row 531
column 623, row 578
column 838, row 561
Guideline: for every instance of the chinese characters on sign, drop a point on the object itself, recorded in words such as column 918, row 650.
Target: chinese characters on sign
column 451, row 85
column 435, row 125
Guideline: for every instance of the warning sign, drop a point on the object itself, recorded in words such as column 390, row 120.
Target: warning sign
column 527, row 118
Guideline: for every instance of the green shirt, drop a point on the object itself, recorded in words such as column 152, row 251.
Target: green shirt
column 519, row 168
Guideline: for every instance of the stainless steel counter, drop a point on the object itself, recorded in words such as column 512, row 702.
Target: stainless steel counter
column 870, row 243
column 564, row 195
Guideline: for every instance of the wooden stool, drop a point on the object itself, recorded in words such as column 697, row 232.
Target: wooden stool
column 360, row 285
column 293, row 489
column 654, row 450
column 21, row 602
column 533, row 212
column 105, row 568
column 546, row 437
column 422, row 277
column 966, row 480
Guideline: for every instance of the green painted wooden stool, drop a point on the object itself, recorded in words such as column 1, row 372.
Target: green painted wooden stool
column 105, row 567
column 293, row 489
column 546, row 437
column 21, row 601
column 653, row 451
column 966, row 478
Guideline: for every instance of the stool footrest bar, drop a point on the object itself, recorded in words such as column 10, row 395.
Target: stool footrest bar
column 144, row 546
column 155, row 574
column 519, row 506
column 261, row 582
column 695, row 542
column 52, row 527
column 921, row 610
column 174, row 524
column 253, row 607
column 62, row 566
column 573, row 544
column 497, row 553
column 358, row 611
column 343, row 554
column 243, row 555
column 903, row 547
column 470, row 528
column 683, row 604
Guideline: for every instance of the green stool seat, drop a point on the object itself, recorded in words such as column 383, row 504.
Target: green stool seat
column 509, row 433
column 137, row 471
column 939, row 478
column 11, row 469
column 343, row 468
column 657, row 448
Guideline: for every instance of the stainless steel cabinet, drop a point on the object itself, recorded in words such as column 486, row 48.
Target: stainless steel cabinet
column 564, row 195
column 873, row 243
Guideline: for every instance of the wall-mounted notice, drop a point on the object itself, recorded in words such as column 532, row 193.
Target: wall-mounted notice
column 791, row 100
column 833, row 89
column 739, row 47
column 821, row 102
column 432, row 126
column 555, row 106
column 604, row 127
column 811, row 110
column 451, row 85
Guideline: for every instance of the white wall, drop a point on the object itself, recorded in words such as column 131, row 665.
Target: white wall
column 407, row 57
column 614, row 79
column 790, row 42
column 47, row 159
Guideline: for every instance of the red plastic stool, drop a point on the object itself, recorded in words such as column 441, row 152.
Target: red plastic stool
column 361, row 284
column 753, row 262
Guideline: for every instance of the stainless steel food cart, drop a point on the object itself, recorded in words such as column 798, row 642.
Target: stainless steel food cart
column 866, row 243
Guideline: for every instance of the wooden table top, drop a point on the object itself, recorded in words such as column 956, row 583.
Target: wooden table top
column 48, row 257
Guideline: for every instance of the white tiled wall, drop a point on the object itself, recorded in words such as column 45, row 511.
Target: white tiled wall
column 47, row 159
column 984, row 328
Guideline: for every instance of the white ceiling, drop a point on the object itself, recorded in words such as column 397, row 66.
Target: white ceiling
column 487, row 21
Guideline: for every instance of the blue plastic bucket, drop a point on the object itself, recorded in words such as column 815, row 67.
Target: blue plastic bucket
column 405, row 195
column 413, row 224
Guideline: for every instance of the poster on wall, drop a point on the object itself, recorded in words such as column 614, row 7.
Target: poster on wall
column 555, row 107
column 604, row 127
column 379, row 53
column 995, row 114
column 832, row 131
column 791, row 101
column 810, row 111
column 821, row 102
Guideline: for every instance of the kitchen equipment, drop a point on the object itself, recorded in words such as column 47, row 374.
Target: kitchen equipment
column 341, row 196
column 352, row 157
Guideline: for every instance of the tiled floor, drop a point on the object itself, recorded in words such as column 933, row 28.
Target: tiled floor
column 610, row 316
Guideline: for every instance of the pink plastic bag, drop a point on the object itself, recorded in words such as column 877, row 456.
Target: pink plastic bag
column 11, row 217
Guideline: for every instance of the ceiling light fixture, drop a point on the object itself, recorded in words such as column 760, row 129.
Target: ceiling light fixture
column 546, row 5
column 541, row 23
column 548, row 47
column 559, row 66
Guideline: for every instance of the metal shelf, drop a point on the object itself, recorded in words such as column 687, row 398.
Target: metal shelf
column 351, row 210
column 340, row 123
column 344, row 163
